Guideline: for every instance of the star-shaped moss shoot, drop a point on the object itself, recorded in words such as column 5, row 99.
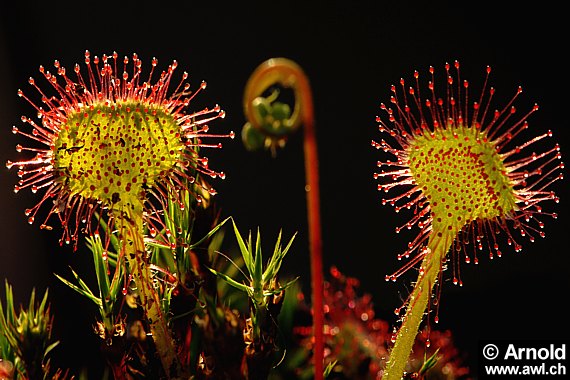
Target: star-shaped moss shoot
column 468, row 180
column 116, row 142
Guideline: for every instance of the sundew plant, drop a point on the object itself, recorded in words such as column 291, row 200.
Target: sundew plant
column 117, row 155
column 118, row 149
column 458, row 164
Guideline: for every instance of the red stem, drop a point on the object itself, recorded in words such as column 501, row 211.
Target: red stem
column 289, row 74
column 315, row 243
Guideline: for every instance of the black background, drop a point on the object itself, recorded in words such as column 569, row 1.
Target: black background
column 352, row 52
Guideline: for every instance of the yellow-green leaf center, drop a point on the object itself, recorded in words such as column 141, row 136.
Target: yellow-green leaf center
column 462, row 176
column 111, row 152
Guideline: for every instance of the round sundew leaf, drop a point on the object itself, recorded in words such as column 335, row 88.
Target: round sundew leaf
column 463, row 168
column 108, row 153
column 114, row 141
column 462, row 176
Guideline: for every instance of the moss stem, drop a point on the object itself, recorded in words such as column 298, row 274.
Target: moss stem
column 417, row 304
